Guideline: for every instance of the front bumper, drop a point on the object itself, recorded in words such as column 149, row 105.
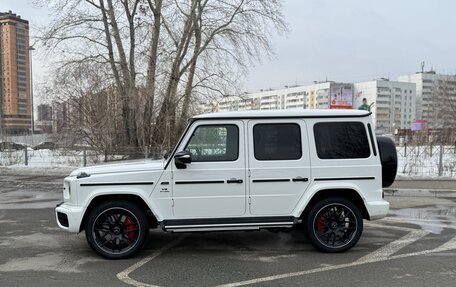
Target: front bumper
column 69, row 217
column 377, row 209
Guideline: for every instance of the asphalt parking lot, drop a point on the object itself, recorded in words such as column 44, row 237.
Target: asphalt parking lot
column 414, row 246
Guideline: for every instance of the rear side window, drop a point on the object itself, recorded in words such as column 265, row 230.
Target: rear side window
column 277, row 141
column 341, row 140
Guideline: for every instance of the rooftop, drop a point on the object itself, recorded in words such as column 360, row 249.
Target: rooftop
column 12, row 16
column 295, row 113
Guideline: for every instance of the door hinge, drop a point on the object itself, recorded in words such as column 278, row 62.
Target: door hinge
column 249, row 173
column 250, row 200
column 172, row 202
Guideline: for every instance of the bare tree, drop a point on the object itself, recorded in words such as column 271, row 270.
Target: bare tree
column 156, row 57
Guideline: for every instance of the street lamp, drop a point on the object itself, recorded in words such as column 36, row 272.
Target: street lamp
column 31, row 48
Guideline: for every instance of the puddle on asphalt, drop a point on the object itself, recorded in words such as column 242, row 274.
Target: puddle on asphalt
column 50, row 261
column 433, row 219
column 24, row 199
column 40, row 240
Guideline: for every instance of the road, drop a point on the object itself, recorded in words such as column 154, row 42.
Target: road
column 414, row 246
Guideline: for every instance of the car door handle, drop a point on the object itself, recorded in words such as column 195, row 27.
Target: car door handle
column 234, row 180
column 304, row 179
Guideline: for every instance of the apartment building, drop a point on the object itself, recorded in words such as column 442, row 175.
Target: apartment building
column 322, row 95
column 15, row 102
column 435, row 98
column 392, row 103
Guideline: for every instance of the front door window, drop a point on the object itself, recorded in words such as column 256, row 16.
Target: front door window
column 214, row 143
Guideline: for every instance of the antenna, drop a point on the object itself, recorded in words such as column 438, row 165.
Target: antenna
column 422, row 67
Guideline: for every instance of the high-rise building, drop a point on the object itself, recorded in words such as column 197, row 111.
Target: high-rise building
column 435, row 98
column 392, row 103
column 15, row 102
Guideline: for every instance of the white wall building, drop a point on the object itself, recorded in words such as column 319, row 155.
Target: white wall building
column 316, row 96
column 293, row 97
column 433, row 94
column 393, row 103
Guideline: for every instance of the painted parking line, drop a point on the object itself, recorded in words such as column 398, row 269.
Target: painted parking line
column 393, row 247
column 124, row 276
column 450, row 245
column 382, row 254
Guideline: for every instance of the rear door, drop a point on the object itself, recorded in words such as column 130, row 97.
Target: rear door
column 278, row 164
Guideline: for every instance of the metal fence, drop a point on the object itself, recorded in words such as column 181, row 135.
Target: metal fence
column 412, row 160
column 63, row 157
column 428, row 160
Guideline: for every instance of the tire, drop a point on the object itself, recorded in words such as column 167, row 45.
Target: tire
column 116, row 229
column 334, row 225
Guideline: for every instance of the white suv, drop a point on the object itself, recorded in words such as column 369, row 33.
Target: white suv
column 319, row 169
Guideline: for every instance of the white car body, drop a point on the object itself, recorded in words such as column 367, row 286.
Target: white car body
column 241, row 194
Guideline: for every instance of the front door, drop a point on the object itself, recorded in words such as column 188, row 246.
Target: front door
column 214, row 183
column 279, row 165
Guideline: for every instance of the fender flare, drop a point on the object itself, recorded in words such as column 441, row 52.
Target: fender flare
column 104, row 192
column 332, row 190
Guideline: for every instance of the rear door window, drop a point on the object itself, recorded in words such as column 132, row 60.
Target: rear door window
column 277, row 141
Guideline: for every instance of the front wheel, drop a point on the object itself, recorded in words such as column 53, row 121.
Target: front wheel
column 116, row 229
column 334, row 225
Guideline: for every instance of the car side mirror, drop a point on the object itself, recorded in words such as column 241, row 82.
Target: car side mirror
column 182, row 158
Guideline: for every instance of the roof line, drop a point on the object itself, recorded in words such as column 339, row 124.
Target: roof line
column 282, row 117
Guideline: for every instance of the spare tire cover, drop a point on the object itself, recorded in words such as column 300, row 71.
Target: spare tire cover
column 388, row 156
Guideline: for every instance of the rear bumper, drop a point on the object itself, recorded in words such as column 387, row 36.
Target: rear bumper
column 69, row 217
column 377, row 209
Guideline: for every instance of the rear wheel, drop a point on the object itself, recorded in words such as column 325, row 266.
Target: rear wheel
column 334, row 225
column 116, row 229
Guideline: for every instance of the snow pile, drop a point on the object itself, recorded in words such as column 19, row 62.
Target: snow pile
column 417, row 161
column 426, row 161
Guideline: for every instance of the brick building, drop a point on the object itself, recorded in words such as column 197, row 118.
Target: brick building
column 15, row 102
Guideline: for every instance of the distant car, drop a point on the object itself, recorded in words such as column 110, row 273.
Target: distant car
column 4, row 146
column 45, row 145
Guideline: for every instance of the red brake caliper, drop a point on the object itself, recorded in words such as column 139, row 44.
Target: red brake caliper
column 320, row 224
column 128, row 224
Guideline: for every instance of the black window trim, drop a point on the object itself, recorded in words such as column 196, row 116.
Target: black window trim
column 193, row 120
column 355, row 158
column 216, row 125
column 278, row 123
column 372, row 139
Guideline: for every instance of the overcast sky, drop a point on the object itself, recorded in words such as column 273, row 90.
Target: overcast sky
column 342, row 40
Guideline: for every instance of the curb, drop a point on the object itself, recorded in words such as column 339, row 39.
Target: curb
column 420, row 192
column 36, row 171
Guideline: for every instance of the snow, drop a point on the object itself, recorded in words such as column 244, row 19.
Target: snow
column 413, row 162
column 424, row 161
